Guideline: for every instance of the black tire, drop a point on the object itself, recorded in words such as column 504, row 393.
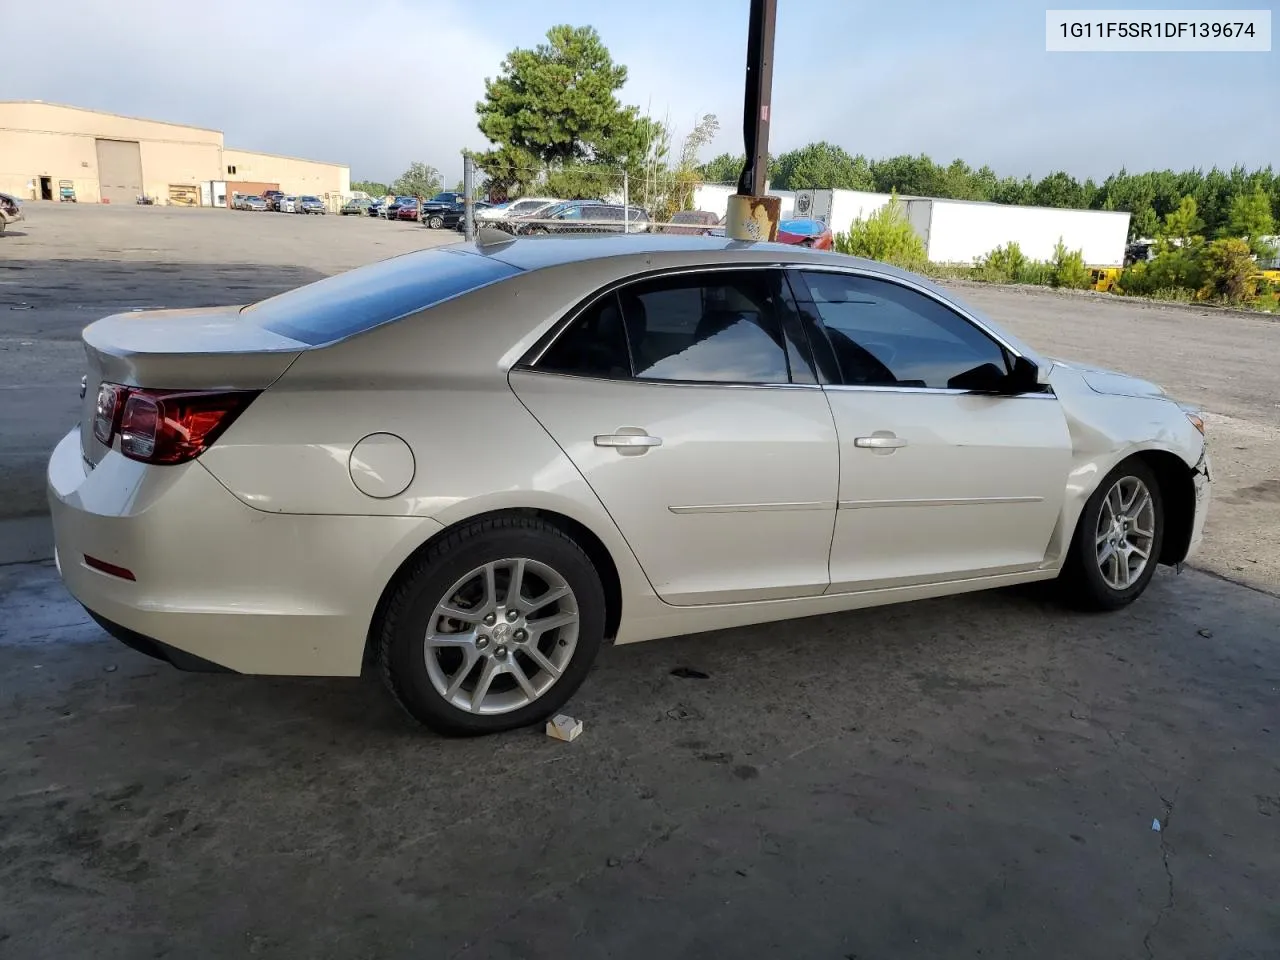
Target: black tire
column 436, row 222
column 400, row 632
column 1081, row 581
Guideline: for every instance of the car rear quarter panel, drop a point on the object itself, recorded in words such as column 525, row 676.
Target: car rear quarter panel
column 437, row 380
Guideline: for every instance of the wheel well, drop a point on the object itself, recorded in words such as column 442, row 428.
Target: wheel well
column 582, row 535
column 1178, row 491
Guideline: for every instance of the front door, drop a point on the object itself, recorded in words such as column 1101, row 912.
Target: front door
column 683, row 402
column 936, row 483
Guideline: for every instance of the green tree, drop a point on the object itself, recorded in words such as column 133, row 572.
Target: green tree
column 1249, row 216
column 822, row 165
column 886, row 236
column 1230, row 272
column 1067, row 269
column 372, row 187
column 420, row 180
column 557, row 105
column 725, row 168
column 1058, row 189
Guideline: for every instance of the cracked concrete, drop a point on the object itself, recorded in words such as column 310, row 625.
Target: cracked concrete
column 966, row 777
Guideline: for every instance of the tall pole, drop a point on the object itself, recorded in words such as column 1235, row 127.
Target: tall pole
column 626, row 200
column 759, row 94
column 468, row 198
column 752, row 215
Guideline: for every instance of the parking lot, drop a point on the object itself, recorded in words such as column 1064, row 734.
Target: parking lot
column 975, row 776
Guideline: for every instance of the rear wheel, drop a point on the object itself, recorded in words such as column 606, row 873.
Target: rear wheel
column 1118, row 539
column 493, row 628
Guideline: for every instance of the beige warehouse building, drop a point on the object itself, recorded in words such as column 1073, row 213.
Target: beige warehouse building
column 48, row 150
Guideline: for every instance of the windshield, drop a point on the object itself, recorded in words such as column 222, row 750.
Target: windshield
column 369, row 296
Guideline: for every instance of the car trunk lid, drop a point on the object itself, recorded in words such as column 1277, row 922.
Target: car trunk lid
column 199, row 349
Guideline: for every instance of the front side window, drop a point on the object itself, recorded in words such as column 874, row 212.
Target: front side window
column 709, row 327
column 886, row 334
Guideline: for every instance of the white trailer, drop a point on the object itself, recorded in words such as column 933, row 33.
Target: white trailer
column 959, row 231
column 714, row 197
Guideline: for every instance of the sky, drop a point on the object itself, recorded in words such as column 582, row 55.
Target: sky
column 381, row 83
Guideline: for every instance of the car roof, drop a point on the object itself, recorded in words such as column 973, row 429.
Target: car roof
column 536, row 253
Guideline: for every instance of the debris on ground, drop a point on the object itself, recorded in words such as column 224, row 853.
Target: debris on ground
column 688, row 673
column 563, row 727
column 1207, row 634
column 1155, row 825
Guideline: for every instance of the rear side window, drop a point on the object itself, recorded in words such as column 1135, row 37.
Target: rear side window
column 366, row 297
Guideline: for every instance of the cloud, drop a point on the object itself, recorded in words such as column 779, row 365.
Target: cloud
column 384, row 82
column 320, row 80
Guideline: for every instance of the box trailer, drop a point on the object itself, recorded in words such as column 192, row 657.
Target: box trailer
column 960, row 231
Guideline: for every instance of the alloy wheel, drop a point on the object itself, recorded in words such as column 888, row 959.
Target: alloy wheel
column 502, row 636
column 1125, row 533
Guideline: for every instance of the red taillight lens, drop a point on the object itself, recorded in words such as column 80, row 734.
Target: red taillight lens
column 167, row 426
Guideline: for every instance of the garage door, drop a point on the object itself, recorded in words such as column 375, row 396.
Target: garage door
column 119, row 170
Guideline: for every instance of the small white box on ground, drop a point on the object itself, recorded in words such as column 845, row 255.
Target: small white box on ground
column 563, row 727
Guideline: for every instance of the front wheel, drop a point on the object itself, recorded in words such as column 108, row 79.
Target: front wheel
column 493, row 628
column 435, row 223
column 1117, row 541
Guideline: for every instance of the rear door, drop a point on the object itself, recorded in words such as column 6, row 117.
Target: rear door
column 687, row 405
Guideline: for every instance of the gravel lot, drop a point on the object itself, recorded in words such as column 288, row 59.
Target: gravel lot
column 975, row 776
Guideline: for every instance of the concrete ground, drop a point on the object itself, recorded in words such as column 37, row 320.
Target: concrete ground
column 977, row 776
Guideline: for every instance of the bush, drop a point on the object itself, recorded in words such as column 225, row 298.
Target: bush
column 1230, row 272
column 1003, row 264
column 1067, row 269
column 886, row 236
column 1135, row 280
column 1035, row 271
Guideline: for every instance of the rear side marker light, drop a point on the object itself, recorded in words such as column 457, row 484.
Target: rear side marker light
column 165, row 426
column 108, row 568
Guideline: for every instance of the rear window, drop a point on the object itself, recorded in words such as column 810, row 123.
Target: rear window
column 366, row 297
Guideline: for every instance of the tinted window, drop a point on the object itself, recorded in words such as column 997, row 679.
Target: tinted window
column 713, row 327
column 885, row 334
column 595, row 345
column 360, row 299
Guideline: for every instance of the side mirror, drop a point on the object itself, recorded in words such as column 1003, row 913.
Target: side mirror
column 1024, row 377
column 989, row 378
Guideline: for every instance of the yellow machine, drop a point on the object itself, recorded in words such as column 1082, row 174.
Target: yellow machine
column 1104, row 278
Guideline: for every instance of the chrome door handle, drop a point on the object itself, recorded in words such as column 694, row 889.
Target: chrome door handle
column 880, row 443
column 627, row 440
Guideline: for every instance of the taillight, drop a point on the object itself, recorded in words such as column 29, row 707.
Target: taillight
column 106, row 416
column 165, row 426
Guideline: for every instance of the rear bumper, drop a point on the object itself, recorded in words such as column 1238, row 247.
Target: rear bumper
column 216, row 580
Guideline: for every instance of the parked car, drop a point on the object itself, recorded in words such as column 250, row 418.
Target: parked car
column 893, row 444
column 407, row 210
column 272, row 197
column 391, row 210
column 525, row 206
column 434, row 210
column 583, row 216
column 10, row 210
column 311, row 204
column 806, row 232
column 694, row 222
column 356, row 206
column 377, row 208
column 288, row 204
column 456, row 219
column 253, row 203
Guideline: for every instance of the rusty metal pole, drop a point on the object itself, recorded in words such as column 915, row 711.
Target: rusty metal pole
column 751, row 214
